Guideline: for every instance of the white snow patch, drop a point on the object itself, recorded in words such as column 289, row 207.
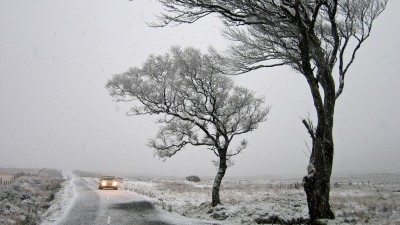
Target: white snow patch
column 62, row 201
column 67, row 174
column 245, row 201
column 252, row 201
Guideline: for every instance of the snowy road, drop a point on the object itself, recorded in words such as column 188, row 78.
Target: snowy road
column 94, row 206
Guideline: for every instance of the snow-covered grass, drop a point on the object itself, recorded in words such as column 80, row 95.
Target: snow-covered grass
column 28, row 197
column 375, row 204
column 47, row 197
column 253, row 201
column 245, row 201
column 62, row 201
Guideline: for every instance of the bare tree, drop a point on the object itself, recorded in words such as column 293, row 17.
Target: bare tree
column 199, row 105
column 317, row 38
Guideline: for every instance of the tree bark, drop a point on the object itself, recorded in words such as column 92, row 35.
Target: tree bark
column 317, row 188
column 317, row 182
column 218, row 179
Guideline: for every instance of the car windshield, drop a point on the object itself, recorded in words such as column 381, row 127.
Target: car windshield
column 107, row 178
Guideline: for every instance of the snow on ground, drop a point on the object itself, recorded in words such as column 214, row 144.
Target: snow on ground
column 252, row 201
column 62, row 201
column 245, row 202
column 25, row 200
column 367, row 204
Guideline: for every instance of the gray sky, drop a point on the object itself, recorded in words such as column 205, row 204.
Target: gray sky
column 56, row 56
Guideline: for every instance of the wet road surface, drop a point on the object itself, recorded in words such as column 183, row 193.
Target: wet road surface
column 92, row 206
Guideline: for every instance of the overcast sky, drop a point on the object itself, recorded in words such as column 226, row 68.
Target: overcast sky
column 56, row 56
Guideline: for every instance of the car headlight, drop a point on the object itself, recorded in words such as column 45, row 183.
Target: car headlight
column 114, row 183
column 104, row 183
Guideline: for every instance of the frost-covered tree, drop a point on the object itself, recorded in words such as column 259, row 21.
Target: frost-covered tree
column 317, row 38
column 199, row 105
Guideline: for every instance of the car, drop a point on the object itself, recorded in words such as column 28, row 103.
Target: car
column 108, row 182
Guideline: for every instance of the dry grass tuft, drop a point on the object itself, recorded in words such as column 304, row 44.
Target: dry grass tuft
column 180, row 187
column 367, row 205
column 28, row 197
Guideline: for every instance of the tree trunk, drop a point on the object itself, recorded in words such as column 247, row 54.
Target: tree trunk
column 218, row 179
column 317, row 182
column 317, row 189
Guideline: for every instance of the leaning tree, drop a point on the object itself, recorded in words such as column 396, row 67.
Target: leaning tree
column 317, row 38
column 199, row 105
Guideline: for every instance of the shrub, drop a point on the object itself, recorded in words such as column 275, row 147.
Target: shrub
column 336, row 185
column 193, row 178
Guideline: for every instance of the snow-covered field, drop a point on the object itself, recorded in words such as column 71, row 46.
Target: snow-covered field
column 29, row 197
column 368, row 200
column 355, row 199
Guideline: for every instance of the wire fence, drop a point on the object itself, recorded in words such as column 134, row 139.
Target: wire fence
column 337, row 184
column 7, row 180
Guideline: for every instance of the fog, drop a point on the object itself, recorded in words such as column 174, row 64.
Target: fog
column 56, row 56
